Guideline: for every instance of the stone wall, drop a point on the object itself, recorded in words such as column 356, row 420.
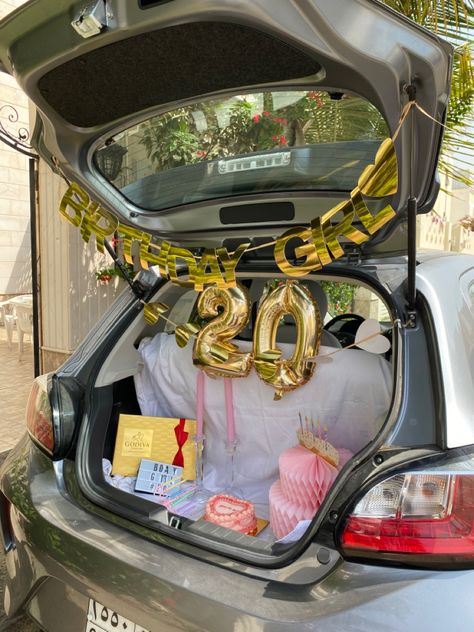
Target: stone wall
column 15, row 253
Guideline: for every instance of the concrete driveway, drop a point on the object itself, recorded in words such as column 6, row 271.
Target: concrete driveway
column 16, row 377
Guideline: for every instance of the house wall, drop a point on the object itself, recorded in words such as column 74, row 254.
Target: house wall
column 71, row 298
column 440, row 229
column 15, row 251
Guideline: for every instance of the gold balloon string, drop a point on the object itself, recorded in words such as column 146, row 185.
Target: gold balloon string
column 154, row 311
column 407, row 108
column 425, row 113
column 354, row 344
column 403, row 117
column 144, row 303
column 266, row 245
column 59, row 171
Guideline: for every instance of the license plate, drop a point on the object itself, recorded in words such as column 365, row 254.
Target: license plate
column 103, row 619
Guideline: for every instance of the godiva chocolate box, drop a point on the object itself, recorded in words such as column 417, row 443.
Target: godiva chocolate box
column 162, row 439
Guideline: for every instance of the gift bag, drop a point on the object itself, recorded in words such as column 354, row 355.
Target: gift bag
column 157, row 438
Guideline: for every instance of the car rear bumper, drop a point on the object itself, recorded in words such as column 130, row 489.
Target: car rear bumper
column 63, row 555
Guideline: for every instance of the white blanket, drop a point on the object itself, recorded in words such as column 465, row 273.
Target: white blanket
column 350, row 394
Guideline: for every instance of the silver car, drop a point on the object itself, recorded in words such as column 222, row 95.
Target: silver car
column 296, row 135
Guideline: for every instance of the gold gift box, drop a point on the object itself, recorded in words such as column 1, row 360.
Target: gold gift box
column 154, row 438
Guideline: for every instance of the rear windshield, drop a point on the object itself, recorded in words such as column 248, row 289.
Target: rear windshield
column 245, row 144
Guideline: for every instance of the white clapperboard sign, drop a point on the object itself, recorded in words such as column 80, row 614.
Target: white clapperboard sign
column 155, row 477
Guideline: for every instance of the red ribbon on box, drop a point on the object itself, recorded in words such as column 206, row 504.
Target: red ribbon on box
column 181, row 438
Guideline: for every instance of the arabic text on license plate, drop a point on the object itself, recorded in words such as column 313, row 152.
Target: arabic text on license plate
column 103, row 619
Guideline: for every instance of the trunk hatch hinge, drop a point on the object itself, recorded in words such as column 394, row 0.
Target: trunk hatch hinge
column 353, row 254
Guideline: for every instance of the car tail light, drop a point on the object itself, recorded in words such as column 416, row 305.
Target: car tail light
column 427, row 513
column 53, row 410
column 39, row 416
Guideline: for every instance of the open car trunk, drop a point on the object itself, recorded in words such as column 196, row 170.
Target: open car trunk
column 146, row 375
column 204, row 132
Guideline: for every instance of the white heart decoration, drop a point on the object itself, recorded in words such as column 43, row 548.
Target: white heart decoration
column 369, row 338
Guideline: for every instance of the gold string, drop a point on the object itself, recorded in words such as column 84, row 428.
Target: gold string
column 354, row 344
column 403, row 116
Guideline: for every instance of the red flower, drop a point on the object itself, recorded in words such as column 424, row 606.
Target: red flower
column 200, row 153
column 274, row 138
column 315, row 96
column 256, row 118
column 284, row 121
column 267, row 114
column 283, row 140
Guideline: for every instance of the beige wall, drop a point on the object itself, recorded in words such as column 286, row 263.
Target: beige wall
column 71, row 298
column 15, row 262
column 7, row 6
column 441, row 230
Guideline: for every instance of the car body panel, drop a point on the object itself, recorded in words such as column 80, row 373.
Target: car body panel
column 67, row 546
column 65, row 555
column 348, row 39
column 445, row 282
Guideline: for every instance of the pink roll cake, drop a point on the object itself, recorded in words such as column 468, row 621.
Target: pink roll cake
column 232, row 513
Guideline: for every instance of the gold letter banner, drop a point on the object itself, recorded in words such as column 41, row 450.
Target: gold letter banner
column 319, row 243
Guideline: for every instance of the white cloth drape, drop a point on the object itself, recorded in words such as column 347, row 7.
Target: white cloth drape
column 350, row 394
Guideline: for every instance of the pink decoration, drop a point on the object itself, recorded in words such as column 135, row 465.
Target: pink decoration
column 199, row 405
column 305, row 480
column 344, row 456
column 232, row 513
column 229, row 407
column 285, row 515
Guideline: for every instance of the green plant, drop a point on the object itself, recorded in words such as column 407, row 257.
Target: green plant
column 340, row 297
column 176, row 138
column 216, row 129
column 454, row 20
column 105, row 275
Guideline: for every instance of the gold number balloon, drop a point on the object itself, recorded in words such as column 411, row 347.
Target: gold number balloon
column 229, row 309
column 285, row 375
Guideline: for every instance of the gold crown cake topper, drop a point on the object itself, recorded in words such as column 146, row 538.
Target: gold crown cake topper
column 316, row 443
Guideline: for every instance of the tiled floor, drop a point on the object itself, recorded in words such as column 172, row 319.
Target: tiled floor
column 15, row 382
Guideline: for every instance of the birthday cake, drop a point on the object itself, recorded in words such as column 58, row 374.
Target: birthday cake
column 307, row 472
column 232, row 513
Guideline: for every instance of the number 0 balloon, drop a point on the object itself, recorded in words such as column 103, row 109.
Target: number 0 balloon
column 286, row 375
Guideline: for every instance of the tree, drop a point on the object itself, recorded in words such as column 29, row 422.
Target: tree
column 453, row 19
column 257, row 122
column 176, row 138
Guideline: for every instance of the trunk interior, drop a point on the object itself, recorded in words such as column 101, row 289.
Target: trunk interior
column 268, row 469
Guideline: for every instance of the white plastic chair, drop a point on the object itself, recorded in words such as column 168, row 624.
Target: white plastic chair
column 24, row 323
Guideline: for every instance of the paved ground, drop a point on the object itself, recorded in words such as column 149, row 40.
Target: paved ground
column 15, row 382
